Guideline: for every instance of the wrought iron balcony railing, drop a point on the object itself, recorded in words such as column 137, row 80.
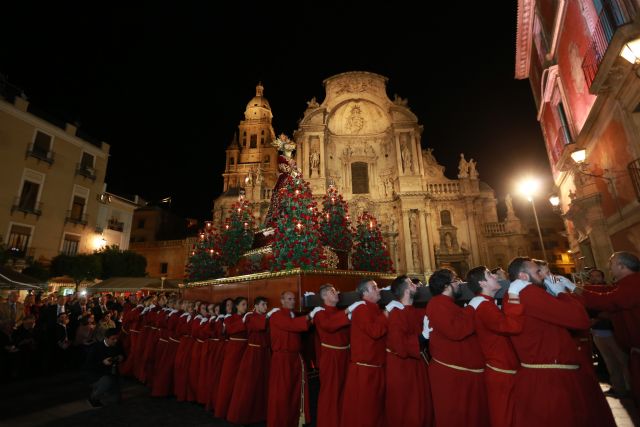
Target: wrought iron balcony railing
column 86, row 171
column 74, row 218
column 115, row 225
column 614, row 14
column 45, row 156
column 26, row 207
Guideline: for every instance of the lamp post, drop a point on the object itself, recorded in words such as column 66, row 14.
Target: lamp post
column 527, row 188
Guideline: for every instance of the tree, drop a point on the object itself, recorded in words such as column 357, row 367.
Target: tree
column 79, row 267
column 237, row 236
column 335, row 224
column 297, row 235
column 205, row 261
column 119, row 263
column 370, row 252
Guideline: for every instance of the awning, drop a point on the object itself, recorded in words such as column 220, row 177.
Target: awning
column 12, row 280
column 134, row 284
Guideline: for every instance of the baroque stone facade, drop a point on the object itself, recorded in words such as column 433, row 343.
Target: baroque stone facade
column 369, row 146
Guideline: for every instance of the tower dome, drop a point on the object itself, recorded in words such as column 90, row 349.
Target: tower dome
column 258, row 107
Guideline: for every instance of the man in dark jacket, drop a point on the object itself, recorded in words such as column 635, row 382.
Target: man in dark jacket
column 102, row 366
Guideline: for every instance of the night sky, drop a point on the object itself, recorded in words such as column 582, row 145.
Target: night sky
column 166, row 86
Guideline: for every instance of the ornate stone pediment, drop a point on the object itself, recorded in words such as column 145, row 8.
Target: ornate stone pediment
column 358, row 117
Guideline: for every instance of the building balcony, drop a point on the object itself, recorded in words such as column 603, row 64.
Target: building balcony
column 115, row 225
column 21, row 253
column 26, row 207
column 495, row 229
column 608, row 38
column 448, row 188
column 86, row 171
column 41, row 155
column 74, row 218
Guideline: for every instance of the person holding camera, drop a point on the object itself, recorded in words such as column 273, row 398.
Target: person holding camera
column 102, row 366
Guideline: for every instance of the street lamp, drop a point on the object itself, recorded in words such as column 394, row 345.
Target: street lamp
column 528, row 187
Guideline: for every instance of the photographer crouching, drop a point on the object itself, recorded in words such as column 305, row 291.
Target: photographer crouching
column 102, row 367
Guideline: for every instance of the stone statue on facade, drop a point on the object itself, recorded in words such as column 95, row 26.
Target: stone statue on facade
column 314, row 162
column 400, row 101
column 416, row 255
column 313, row 103
column 473, row 172
column 463, row 167
column 413, row 224
column 405, row 152
column 388, row 187
column 259, row 176
column 508, row 201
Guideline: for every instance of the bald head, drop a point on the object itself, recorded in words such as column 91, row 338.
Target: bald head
column 288, row 300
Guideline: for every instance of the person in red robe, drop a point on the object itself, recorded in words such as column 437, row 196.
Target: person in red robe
column 129, row 321
column 217, row 353
column 623, row 305
column 199, row 332
column 163, row 371
column 134, row 325
column 236, row 331
column 406, row 365
column 457, row 365
column 363, row 396
column 202, row 396
column 332, row 326
column 181, row 364
column 205, row 333
column 493, row 328
column 249, row 399
column 550, row 388
column 288, row 399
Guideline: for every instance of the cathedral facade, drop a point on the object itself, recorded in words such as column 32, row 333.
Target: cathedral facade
column 369, row 146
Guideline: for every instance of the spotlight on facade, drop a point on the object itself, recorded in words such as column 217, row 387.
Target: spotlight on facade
column 631, row 51
column 554, row 200
column 579, row 156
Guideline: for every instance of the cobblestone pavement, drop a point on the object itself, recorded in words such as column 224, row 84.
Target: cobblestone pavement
column 60, row 401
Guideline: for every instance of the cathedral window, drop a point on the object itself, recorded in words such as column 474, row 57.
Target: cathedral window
column 267, row 159
column 445, row 218
column 231, row 160
column 253, row 143
column 359, row 178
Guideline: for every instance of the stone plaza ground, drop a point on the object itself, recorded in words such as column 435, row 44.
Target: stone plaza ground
column 59, row 400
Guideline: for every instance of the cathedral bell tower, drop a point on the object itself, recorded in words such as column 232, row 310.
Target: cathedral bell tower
column 251, row 161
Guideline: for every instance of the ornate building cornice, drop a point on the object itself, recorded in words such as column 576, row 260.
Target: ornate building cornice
column 523, row 38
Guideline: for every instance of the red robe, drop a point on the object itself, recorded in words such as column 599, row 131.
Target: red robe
column 249, row 399
column 363, row 396
column 146, row 317
column 407, row 371
column 493, row 328
column 333, row 330
column 288, row 400
column 214, row 365
column 235, row 346
column 181, row 364
column 205, row 334
column 148, row 357
column 546, row 396
column 134, row 323
column 198, row 347
column 623, row 302
column 457, row 384
column 163, row 373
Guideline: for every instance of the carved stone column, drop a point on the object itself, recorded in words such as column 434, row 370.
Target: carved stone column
column 406, row 236
column 322, row 154
column 425, row 242
column 396, row 138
